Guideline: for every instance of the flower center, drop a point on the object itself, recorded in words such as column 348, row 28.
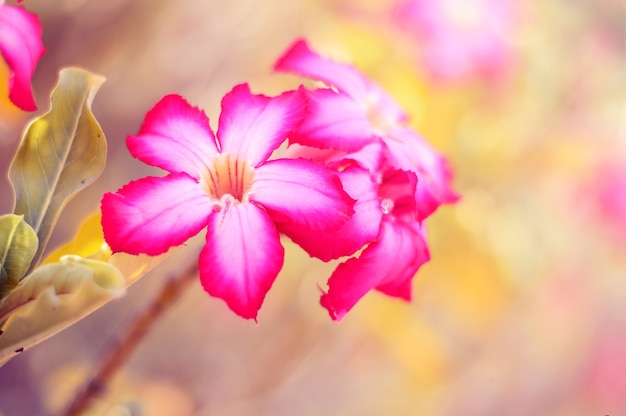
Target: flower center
column 387, row 205
column 227, row 178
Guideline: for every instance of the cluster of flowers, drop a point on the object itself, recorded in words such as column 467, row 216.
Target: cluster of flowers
column 21, row 48
column 354, row 177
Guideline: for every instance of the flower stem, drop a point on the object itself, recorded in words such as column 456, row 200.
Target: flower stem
column 121, row 349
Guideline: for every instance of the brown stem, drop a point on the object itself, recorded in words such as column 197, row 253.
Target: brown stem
column 123, row 347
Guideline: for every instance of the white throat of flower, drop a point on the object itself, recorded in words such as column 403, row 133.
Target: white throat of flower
column 227, row 180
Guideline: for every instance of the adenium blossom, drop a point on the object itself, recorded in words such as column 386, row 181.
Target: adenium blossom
column 459, row 39
column 21, row 47
column 385, row 220
column 357, row 112
column 389, row 263
column 397, row 178
column 225, row 183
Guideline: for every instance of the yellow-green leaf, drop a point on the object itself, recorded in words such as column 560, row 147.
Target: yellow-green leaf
column 61, row 153
column 53, row 297
column 18, row 243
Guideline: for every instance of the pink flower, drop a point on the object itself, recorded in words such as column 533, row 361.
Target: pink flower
column 226, row 183
column 358, row 113
column 385, row 217
column 389, row 263
column 397, row 178
column 459, row 39
column 21, row 47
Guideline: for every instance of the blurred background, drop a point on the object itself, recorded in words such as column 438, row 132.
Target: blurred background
column 521, row 310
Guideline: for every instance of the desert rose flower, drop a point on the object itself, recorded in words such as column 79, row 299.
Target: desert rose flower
column 385, row 214
column 225, row 183
column 390, row 262
column 21, row 48
column 397, row 178
column 358, row 112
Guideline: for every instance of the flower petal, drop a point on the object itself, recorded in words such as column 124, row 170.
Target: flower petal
column 394, row 257
column 151, row 215
column 301, row 193
column 301, row 60
column 399, row 285
column 251, row 127
column 175, row 136
column 399, row 187
column 361, row 229
column 333, row 120
column 241, row 258
column 376, row 104
column 21, row 47
column 408, row 151
column 368, row 157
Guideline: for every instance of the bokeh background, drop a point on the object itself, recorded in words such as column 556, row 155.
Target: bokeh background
column 521, row 310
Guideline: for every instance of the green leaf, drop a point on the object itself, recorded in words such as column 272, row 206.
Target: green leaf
column 52, row 298
column 61, row 153
column 18, row 244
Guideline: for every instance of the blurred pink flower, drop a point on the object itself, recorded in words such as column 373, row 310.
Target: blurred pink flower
column 21, row 47
column 227, row 184
column 459, row 39
column 610, row 196
column 358, row 113
column 603, row 200
column 604, row 378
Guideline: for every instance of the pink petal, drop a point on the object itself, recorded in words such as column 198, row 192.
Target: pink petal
column 333, row 120
column 21, row 47
column 151, row 215
column 361, row 229
column 176, row 137
column 301, row 193
column 399, row 286
column 241, row 258
column 295, row 151
column 368, row 157
column 399, row 187
column 251, row 127
column 408, row 151
column 301, row 60
column 394, row 258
